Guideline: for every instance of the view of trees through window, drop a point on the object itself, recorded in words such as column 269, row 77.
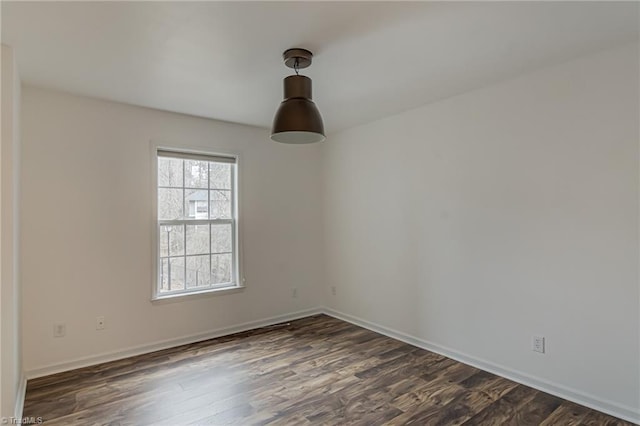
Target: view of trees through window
column 195, row 223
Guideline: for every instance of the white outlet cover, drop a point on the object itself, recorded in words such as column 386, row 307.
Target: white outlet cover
column 537, row 344
column 59, row 329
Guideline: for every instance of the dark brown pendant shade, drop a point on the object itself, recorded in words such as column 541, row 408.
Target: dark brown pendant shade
column 297, row 120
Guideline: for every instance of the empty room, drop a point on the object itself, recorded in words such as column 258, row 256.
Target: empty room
column 320, row 213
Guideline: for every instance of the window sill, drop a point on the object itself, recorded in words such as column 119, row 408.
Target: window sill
column 181, row 297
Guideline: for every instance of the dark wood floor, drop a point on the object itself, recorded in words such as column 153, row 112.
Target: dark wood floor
column 317, row 370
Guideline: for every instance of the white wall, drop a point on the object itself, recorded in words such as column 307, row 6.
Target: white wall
column 11, row 378
column 473, row 223
column 87, row 227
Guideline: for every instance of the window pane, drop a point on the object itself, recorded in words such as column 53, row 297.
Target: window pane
column 164, row 241
column 169, row 204
column 220, row 175
column 176, row 271
column 195, row 203
column 173, row 239
column 164, row 274
column 197, row 239
column 220, row 204
column 169, row 172
column 220, row 268
column 198, row 271
column 221, row 238
column 196, row 174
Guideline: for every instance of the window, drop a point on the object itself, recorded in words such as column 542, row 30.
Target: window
column 197, row 224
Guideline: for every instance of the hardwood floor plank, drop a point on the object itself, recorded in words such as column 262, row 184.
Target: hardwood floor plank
column 501, row 411
column 313, row 371
column 567, row 414
column 536, row 410
column 593, row 418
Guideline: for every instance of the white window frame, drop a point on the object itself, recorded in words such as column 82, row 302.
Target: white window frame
column 237, row 279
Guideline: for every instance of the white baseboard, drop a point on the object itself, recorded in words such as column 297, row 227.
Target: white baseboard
column 20, row 394
column 164, row 344
column 609, row 407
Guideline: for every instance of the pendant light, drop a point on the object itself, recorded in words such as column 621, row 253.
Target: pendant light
column 297, row 120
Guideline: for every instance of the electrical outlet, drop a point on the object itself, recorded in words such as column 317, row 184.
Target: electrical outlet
column 537, row 344
column 59, row 329
column 333, row 290
column 294, row 293
column 100, row 323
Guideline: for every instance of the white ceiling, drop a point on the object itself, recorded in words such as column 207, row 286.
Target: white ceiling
column 372, row 59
